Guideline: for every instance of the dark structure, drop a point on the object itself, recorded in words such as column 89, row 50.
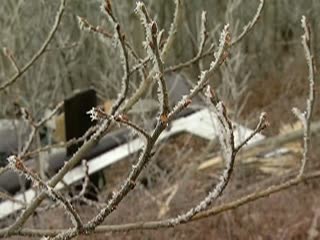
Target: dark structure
column 77, row 121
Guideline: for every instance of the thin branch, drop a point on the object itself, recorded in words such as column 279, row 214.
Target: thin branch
column 145, row 20
column 207, row 74
column 139, row 65
column 86, row 25
column 140, row 92
column 42, row 49
column 173, row 30
column 188, row 63
column 250, row 25
column 28, row 143
column 69, row 143
column 35, row 127
column 159, row 71
column 125, row 121
column 50, row 115
column 16, row 164
column 306, row 116
column 202, row 42
column 200, row 54
column 261, row 126
column 123, row 56
column 12, row 59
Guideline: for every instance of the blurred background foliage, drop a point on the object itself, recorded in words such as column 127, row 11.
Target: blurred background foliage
column 78, row 59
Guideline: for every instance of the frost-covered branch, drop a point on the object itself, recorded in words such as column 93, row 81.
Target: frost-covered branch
column 305, row 117
column 107, row 8
column 172, row 35
column 250, row 25
column 16, row 164
column 41, row 50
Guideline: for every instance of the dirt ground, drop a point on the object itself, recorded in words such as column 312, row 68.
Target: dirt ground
column 291, row 214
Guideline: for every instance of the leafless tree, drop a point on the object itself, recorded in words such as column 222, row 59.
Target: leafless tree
column 152, row 69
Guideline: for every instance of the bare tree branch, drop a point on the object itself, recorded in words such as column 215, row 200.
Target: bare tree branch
column 41, row 50
column 250, row 25
column 306, row 116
